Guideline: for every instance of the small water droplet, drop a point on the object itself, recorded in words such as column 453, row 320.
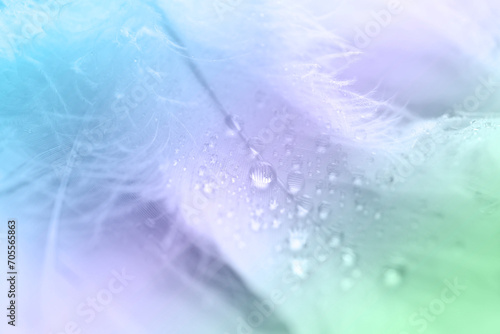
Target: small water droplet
column 295, row 182
column 213, row 141
column 333, row 172
column 262, row 175
column 304, row 206
column 348, row 257
column 336, row 240
column 273, row 204
column 393, row 277
column 209, row 186
column 297, row 162
column 255, row 225
column 324, row 210
column 297, row 239
column 357, row 181
column 276, row 223
column 258, row 212
column 322, row 144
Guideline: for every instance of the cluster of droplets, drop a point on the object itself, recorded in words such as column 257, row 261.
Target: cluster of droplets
column 295, row 208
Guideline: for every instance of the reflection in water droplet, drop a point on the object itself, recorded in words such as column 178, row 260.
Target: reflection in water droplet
column 262, row 175
column 295, row 182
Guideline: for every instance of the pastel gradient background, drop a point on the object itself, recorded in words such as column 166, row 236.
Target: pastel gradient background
column 235, row 166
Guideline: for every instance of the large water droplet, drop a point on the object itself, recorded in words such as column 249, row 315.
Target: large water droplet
column 262, row 175
column 295, row 182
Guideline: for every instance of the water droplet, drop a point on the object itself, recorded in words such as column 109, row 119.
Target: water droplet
column 295, row 182
column 276, row 223
column 273, row 204
column 377, row 216
column 297, row 239
column 348, row 257
column 324, row 210
column 262, row 175
column 333, row 171
column 258, row 212
column 255, row 225
column 304, row 206
column 336, row 240
column 209, row 187
column 393, row 277
column 357, row 181
column 322, row 144
column 213, row 141
column 297, row 162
